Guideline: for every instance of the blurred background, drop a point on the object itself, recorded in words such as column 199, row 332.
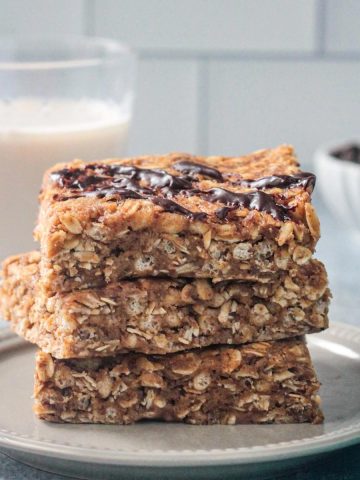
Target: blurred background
column 223, row 76
column 231, row 76
column 228, row 77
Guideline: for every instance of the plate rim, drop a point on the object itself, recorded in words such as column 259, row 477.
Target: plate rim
column 322, row 443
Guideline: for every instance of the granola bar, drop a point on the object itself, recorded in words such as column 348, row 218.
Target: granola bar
column 177, row 216
column 267, row 382
column 156, row 315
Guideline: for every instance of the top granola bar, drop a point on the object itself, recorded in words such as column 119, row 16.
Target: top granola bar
column 175, row 215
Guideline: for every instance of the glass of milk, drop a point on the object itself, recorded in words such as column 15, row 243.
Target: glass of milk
column 60, row 98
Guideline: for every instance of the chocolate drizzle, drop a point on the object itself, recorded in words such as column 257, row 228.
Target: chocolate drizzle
column 123, row 181
column 160, row 187
column 156, row 178
column 252, row 200
column 193, row 169
column 173, row 207
column 302, row 179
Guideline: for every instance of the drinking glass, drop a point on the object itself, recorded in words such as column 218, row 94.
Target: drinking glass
column 60, row 98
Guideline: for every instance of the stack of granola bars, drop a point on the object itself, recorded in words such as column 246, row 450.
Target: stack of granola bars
column 173, row 287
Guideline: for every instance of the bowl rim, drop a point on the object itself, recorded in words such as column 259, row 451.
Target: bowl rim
column 325, row 150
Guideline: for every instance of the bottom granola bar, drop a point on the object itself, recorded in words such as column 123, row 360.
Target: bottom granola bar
column 266, row 382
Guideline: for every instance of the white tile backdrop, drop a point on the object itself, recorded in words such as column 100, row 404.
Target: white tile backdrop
column 343, row 26
column 41, row 17
column 209, row 25
column 224, row 76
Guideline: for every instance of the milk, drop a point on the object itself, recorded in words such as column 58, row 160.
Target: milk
column 34, row 136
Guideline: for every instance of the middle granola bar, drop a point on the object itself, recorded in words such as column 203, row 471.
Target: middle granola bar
column 158, row 316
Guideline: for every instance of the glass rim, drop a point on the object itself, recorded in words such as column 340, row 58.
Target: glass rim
column 111, row 51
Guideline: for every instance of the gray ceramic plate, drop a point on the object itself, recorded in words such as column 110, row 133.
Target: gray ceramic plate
column 174, row 448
